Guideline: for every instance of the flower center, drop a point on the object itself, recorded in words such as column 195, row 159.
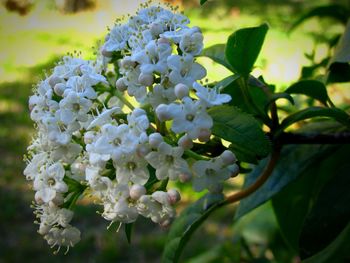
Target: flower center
column 117, row 141
column 210, row 172
column 76, row 106
column 189, row 117
column 169, row 158
column 51, row 182
column 131, row 165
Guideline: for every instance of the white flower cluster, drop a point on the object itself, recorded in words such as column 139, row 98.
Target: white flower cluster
column 87, row 145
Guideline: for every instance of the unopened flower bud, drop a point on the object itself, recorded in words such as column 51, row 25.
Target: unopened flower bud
column 143, row 150
column 156, row 29
column 155, row 139
column 54, row 80
column 185, row 142
column 163, row 113
column 120, row 84
column 59, row 89
column 234, row 169
column 174, row 196
column 196, row 29
column 228, row 157
column 127, row 63
column 185, row 177
column 44, row 229
column 136, row 191
column 106, row 53
column 163, row 40
column 138, row 112
column 146, row 79
column 204, row 135
column 181, row 90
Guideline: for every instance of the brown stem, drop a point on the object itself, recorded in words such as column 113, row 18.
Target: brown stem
column 259, row 182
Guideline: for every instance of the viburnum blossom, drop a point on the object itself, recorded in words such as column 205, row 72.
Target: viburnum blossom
column 93, row 142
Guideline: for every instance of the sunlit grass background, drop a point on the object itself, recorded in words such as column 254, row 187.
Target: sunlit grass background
column 32, row 43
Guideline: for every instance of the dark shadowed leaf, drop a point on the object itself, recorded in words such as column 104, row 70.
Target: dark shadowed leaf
column 336, row 252
column 243, row 48
column 312, row 88
column 330, row 213
column 202, row 2
column 293, row 161
column 128, row 231
column 293, row 203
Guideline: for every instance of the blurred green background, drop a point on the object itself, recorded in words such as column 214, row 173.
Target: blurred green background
column 35, row 34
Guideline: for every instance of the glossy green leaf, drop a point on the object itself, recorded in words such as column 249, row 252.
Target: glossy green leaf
column 312, row 88
column 293, row 203
column 241, row 129
column 243, row 48
column 337, row 12
column 336, row 252
column 128, row 231
column 184, row 226
column 311, row 112
column 217, row 54
column 293, row 160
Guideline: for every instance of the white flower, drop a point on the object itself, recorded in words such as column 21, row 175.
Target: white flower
column 117, row 39
column 190, row 117
column 74, row 107
column 209, row 175
column 167, row 161
column 184, row 70
column 34, row 165
column 104, row 117
column 210, row 96
column 49, row 182
column 153, row 58
column 131, row 168
column 192, row 43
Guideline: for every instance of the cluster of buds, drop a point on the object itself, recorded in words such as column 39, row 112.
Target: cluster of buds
column 91, row 140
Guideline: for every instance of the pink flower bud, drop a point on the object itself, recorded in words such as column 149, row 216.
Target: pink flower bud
column 136, row 191
column 204, row 135
column 106, row 53
column 185, row 142
column 181, row 90
column 174, row 196
column 163, row 41
column 156, row 29
column 234, row 169
column 54, row 80
column 185, row 177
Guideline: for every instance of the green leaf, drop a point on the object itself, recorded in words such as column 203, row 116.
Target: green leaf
column 241, row 129
column 184, row 226
column 336, row 252
column 243, row 48
column 217, row 54
column 202, row 2
column 311, row 112
column 312, row 88
column 128, row 231
column 293, row 203
column 330, row 213
column 293, row 160
column 337, row 12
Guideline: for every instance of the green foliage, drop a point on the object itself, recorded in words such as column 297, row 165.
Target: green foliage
column 247, row 139
column 243, row 48
column 311, row 112
column 184, row 226
column 337, row 12
column 217, row 54
column 312, row 88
